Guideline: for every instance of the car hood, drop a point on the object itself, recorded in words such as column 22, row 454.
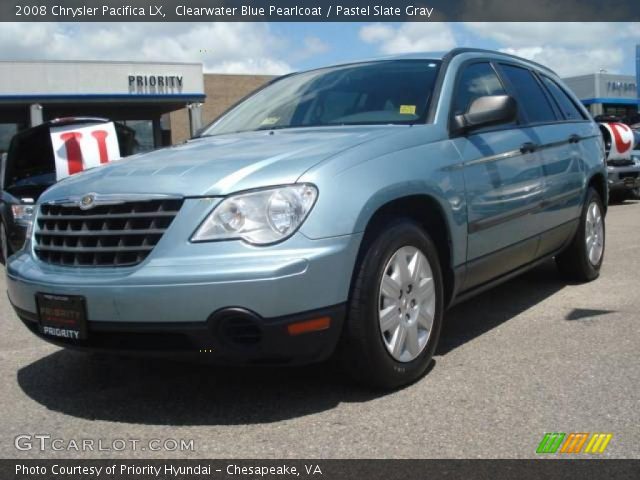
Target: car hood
column 222, row 164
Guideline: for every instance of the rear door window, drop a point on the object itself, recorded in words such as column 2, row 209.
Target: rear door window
column 530, row 96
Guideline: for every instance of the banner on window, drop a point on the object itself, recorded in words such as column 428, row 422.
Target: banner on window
column 79, row 147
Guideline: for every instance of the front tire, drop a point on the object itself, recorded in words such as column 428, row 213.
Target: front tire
column 396, row 307
column 5, row 248
column 582, row 259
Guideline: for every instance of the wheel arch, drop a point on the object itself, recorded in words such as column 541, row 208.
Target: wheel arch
column 599, row 182
column 428, row 212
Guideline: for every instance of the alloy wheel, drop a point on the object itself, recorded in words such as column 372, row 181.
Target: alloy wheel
column 594, row 236
column 407, row 304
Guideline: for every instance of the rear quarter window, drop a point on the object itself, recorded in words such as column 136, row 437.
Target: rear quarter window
column 565, row 104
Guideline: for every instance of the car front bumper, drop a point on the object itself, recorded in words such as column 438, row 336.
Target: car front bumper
column 623, row 178
column 228, row 299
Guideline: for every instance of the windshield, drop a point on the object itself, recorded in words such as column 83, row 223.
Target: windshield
column 381, row 92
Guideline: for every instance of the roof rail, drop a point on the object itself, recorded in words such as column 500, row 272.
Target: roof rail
column 461, row 50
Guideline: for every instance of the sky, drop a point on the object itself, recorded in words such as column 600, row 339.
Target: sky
column 277, row 48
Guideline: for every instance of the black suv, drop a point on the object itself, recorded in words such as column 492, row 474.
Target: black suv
column 28, row 169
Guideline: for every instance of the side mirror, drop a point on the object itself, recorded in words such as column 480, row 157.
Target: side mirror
column 487, row 111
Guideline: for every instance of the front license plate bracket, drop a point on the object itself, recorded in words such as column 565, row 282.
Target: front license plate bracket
column 62, row 316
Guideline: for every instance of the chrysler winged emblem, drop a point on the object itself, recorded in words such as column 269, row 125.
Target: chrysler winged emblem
column 87, row 201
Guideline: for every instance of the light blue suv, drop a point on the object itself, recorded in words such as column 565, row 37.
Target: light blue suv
column 339, row 210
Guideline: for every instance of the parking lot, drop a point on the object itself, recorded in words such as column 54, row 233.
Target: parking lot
column 534, row 355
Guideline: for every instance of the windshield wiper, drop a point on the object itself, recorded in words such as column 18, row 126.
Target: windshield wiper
column 275, row 127
column 284, row 127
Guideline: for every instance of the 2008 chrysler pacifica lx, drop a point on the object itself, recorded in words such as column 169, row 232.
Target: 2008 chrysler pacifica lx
column 335, row 210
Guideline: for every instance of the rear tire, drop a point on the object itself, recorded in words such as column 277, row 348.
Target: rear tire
column 582, row 259
column 389, row 355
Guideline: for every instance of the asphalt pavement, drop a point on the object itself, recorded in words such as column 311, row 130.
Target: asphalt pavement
column 534, row 355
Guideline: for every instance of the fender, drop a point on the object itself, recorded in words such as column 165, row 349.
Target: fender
column 430, row 169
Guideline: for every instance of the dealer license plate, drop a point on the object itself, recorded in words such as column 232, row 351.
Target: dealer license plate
column 62, row 316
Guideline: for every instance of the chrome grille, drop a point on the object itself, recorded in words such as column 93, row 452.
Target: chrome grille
column 117, row 235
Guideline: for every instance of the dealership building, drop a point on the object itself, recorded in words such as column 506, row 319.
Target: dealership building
column 165, row 103
column 607, row 94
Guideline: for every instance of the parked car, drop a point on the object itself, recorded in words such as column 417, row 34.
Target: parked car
column 607, row 119
column 28, row 169
column 339, row 210
column 624, row 177
column 623, row 162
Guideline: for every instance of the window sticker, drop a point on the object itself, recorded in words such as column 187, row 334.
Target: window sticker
column 407, row 109
column 270, row 121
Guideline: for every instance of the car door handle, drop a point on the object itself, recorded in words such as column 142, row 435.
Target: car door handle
column 528, row 147
column 574, row 138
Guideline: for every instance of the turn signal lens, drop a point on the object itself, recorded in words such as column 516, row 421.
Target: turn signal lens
column 314, row 325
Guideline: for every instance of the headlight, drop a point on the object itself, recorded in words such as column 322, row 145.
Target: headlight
column 22, row 213
column 636, row 159
column 260, row 217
